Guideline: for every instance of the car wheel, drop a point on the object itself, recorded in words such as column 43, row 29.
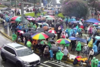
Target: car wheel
column 3, row 57
column 18, row 64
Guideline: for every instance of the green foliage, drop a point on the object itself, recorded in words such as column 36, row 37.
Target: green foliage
column 30, row 14
column 75, row 8
column 61, row 15
column 2, row 6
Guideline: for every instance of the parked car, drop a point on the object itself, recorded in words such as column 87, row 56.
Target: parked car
column 20, row 55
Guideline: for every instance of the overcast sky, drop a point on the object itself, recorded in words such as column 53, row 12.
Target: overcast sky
column 58, row 1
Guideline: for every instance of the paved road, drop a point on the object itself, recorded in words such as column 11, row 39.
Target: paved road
column 45, row 63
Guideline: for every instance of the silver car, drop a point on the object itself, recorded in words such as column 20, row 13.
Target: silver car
column 20, row 55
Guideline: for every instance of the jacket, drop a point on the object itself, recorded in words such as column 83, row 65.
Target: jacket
column 78, row 47
column 95, row 48
column 59, row 55
column 93, row 62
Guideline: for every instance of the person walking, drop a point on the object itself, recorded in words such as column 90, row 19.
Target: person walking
column 14, row 37
column 51, row 54
column 59, row 32
column 93, row 62
column 59, row 56
column 78, row 48
column 85, row 50
column 65, row 51
column 91, row 53
column 46, row 52
column 29, row 44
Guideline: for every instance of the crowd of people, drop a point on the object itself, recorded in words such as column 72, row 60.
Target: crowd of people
column 65, row 29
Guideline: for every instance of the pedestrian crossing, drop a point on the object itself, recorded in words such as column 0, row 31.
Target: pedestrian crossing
column 54, row 63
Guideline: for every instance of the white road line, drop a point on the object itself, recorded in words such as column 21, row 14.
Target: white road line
column 46, row 61
column 56, row 64
column 45, row 65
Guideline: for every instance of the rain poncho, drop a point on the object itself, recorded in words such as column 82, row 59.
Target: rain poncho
column 51, row 53
column 78, row 47
column 59, row 55
column 93, row 62
column 29, row 44
column 98, row 64
column 65, row 51
column 95, row 48
column 14, row 37
column 90, row 44
column 49, row 44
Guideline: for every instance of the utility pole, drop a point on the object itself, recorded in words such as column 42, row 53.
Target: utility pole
column 22, row 12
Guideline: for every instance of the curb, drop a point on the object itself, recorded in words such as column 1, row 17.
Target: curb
column 68, row 60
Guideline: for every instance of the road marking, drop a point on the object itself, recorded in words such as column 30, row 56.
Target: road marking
column 45, row 65
column 40, row 66
column 57, row 64
column 45, row 61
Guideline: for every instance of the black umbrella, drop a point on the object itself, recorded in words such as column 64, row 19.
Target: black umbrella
column 52, row 41
column 34, row 32
column 50, row 34
column 40, row 29
column 54, row 48
column 27, row 34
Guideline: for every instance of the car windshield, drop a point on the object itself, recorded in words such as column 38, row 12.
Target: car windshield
column 24, row 52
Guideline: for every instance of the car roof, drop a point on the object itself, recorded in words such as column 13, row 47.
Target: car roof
column 15, row 45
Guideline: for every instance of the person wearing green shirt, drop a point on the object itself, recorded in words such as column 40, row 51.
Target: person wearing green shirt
column 93, row 62
column 78, row 48
column 59, row 55
column 29, row 44
column 14, row 37
column 96, row 63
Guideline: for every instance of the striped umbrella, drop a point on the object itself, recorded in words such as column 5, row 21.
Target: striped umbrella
column 63, row 41
column 39, row 36
column 30, row 18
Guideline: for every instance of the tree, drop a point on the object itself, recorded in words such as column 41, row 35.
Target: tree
column 75, row 8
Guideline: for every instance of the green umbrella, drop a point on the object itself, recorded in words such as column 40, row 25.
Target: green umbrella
column 18, row 19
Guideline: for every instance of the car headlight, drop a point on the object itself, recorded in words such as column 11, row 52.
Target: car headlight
column 25, row 62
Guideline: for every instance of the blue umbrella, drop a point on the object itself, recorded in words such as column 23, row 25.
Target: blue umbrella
column 97, row 37
column 81, row 40
column 72, row 38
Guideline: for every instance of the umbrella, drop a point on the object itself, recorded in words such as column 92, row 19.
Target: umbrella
column 81, row 40
column 12, row 22
column 50, row 34
column 14, row 18
column 34, row 32
column 97, row 37
column 18, row 19
column 30, row 18
column 39, row 36
column 52, row 31
column 20, row 31
column 40, row 29
column 27, row 34
column 54, row 48
column 72, row 38
column 50, row 19
column 48, row 16
column 63, row 41
column 45, row 24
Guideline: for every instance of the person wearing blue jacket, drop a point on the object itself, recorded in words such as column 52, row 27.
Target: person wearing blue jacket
column 51, row 54
column 99, row 64
column 19, row 27
column 95, row 49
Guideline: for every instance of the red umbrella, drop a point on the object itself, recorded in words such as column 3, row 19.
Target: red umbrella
column 12, row 22
column 14, row 18
column 20, row 31
column 52, row 31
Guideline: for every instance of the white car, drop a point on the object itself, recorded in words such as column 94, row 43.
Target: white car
column 20, row 55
